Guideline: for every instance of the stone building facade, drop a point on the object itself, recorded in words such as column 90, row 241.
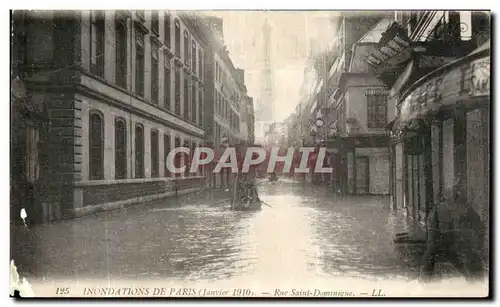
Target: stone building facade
column 121, row 89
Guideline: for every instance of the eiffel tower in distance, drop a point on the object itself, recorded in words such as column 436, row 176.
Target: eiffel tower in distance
column 265, row 108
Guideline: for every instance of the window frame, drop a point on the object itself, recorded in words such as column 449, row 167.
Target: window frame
column 140, row 50
column 155, row 153
column 375, row 100
column 187, row 47
column 167, row 147
column 155, row 74
column 139, row 173
column 121, row 45
column 167, row 29
column 186, row 99
column 92, row 147
column 120, row 173
column 177, row 37
column 97, row 23
column 155, row 22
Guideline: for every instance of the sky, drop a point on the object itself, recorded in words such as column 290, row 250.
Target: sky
column 291, row 37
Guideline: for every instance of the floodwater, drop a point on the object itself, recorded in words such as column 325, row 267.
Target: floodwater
column 302, row 233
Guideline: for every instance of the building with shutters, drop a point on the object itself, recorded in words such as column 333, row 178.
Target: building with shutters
column 121, row 89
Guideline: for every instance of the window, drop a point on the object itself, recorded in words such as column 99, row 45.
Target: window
column 32, row 167
column 187, row 159
column 193, row 102
column 226, row 113
column 193, row 56
column 186, row 99
column 139, row 64
column 96, row 159
column 193, row 147
column 216, row 102
column 166, row 82
column 97, row 43
column 166, row 151
column 120, row 149
column 177, row 160
column 166, row 29
column 121, row 54
column 186, row 47
column 155, row 22
column 376, row 108
column 154, row 74
column 177, row 38
column 177, row 91
column 155, row 161
column 141, row 14
column 139, row 151
column 217, row 72
column 200, row 106
column 200, row 63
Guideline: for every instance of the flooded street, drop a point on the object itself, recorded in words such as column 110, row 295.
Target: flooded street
column 302, row 234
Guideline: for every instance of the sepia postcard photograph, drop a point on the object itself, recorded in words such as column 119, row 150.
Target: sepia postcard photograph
column 168, row 153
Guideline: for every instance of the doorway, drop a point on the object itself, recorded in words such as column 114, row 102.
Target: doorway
column 362, row 175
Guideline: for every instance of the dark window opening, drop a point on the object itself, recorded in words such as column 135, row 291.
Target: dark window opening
column 139, row 151
column 187, row 160
column 96, row 160
column 166, row 151
column 177, row 91
column 139, row 66
column 154, row 75
column 121, row 54
column 166, row 85
column 120, row 149
column 200, row 107
column 177, row 38
column 97, row 43
column 155, row 22
column 167, row 30
column 376, row 109
column 193, row 56
column 186, row 47
column 186, row 99
column 155, row 161
column 200, row 63
column 193, row 102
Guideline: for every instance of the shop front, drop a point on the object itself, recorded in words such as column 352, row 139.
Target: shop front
column 440, row 138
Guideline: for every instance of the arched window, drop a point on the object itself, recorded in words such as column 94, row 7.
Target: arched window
column 96, row 146
column 166, row 28
column 120, row 148
column 166, row 151
column 155, row 161
column 139, row 151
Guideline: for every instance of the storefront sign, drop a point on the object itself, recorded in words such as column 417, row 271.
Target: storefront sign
column 465, row 81
column 393, row 47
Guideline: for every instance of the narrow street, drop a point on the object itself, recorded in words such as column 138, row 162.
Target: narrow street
column 306, row 234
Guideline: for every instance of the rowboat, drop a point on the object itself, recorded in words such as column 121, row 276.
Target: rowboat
column 251, row 205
